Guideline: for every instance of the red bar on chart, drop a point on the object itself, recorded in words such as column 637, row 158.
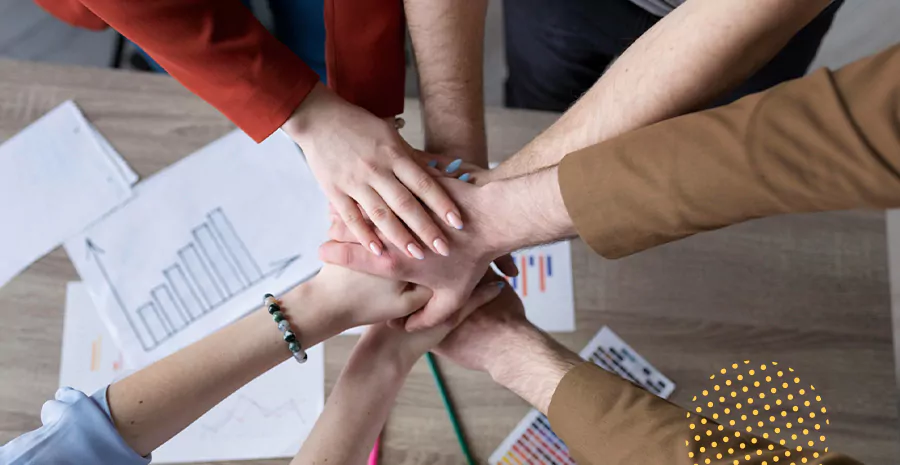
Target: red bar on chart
column 543, row 276
column 524, row 278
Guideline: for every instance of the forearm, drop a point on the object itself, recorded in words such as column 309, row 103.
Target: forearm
column 448, row 39
column 358, row 405
column 218, row 50
column 525, row 211
column 691, row 56
column 531, row 364
column 152, row 405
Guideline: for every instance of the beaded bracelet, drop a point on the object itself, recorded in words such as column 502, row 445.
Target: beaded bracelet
column 285, row 327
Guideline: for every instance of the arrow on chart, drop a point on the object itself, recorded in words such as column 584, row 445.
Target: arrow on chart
column 279, row 266
column 94, row 252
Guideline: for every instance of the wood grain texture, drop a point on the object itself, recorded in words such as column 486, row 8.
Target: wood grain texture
column 810, row 291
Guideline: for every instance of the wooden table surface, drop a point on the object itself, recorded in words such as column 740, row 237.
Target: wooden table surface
column 809, row 291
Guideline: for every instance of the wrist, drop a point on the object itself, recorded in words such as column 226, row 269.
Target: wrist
column 382, row 346
column 314, row 314
column 531, row 364
column 310, row 112
column 526, row 211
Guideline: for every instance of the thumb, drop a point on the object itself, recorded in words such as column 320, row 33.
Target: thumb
column 415, row 298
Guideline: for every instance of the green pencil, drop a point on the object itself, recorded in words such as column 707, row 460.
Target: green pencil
column 439, row 382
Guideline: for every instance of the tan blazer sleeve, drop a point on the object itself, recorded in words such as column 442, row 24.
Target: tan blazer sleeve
column 605, row 420
column 828, row 141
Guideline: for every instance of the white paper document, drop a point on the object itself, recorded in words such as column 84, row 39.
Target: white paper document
column 201, row 242
column 269, row 417
column 545, row 286
column 57, row 176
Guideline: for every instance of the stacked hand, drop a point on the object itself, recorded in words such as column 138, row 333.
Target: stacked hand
column 364, row 166
column 450, row 278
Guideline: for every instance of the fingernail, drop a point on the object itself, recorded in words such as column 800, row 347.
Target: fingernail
column 501, row 284
column 465, row 177
column 441, row 247
column 453, row 166
column 432, row 163
column 454, row 220
column 375, row 248
column 416, row 251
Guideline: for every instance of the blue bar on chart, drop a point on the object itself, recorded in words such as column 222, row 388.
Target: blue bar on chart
column 202, row 277
column 246, row 266
column 184, row 291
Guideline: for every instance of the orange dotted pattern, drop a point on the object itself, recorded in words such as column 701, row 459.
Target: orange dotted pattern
column 764, row 401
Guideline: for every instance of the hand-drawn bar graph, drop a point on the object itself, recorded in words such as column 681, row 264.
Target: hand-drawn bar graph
column 215, row 266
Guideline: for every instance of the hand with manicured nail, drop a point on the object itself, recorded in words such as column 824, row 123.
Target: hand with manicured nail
column 362, row 163
column 450, row 278
column 448, row 167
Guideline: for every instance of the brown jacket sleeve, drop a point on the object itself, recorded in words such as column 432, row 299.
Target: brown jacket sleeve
column 605, row 420
column 828, row 141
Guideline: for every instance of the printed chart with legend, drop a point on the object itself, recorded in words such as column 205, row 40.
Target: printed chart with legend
column 533, row 441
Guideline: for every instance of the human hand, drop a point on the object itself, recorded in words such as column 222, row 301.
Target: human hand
column 439, row 165
column 451, row 278
column 410, row 346
column 362, row 162
column 356, row 299
column 481, row 338
column 499, row 340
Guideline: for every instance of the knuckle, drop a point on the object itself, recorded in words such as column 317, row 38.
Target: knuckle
column 371, row 167
column 394, row 153
column 352, row 219
column 379, row 213
column 392, row 266
column 407, row 204
column 344, row 257
column 424, row 184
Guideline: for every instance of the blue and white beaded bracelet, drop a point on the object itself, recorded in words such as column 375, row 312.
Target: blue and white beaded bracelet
column 285, row 327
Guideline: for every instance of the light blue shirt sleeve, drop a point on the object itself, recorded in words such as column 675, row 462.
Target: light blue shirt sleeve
column 77, row 430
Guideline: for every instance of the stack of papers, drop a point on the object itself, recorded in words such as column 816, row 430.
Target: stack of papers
column 57, row 176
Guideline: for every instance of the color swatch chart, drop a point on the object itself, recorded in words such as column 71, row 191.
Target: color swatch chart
column 533, row 441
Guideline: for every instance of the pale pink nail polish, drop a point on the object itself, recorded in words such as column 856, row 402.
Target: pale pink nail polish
column 454, row 220
column 416, row 251
column 441, row 247
column 375, row 248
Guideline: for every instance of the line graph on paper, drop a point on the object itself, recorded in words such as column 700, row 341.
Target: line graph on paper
column 247, row 411
column 214, row 266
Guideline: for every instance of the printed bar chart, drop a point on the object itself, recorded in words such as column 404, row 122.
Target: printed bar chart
column 539, row 266
column 215, row 266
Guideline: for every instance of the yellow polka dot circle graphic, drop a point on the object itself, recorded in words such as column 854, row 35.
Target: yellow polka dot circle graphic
column 759, row 414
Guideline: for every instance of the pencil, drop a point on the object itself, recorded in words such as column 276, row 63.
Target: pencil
column 439, row 382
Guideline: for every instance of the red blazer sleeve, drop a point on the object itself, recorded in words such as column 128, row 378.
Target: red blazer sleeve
column 218, row 50
column 73, row 12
